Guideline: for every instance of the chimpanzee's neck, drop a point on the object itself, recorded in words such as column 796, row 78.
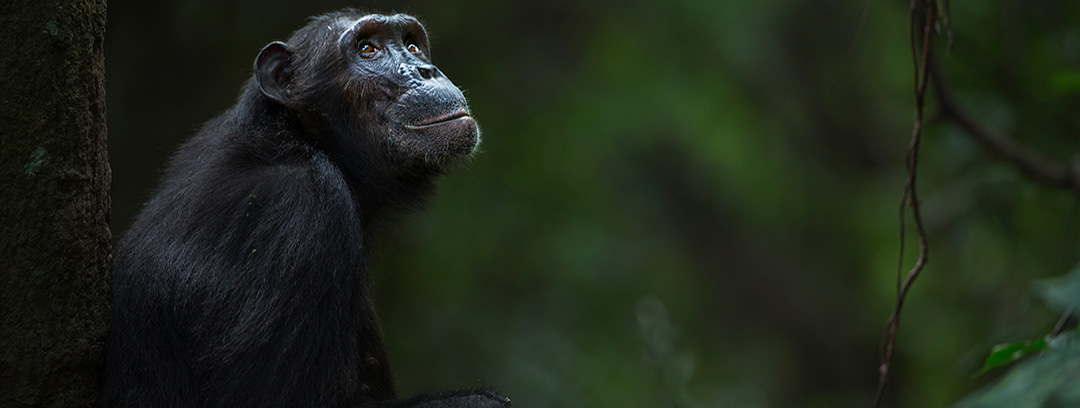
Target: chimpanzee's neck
column 379, row 188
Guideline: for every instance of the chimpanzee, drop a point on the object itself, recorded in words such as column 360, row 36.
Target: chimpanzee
column 244, row 281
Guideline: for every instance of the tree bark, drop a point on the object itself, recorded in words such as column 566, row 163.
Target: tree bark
column 54, row 202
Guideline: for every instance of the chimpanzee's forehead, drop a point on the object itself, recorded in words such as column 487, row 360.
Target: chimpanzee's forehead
column 371, row 22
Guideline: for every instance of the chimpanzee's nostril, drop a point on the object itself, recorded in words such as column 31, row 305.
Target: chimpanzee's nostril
column 426, row 72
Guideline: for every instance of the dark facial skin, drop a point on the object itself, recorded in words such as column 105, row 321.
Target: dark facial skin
column 428, row 117
column 406, row 106
column 244, row 280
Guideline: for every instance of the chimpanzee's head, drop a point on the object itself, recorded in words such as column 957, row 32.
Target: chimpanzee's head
column 369, row 81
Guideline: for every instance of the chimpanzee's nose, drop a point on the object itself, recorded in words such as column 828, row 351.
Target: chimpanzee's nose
column 428, row 71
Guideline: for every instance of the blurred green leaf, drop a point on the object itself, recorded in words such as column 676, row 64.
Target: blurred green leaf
column 1007, row 353
column 1062, row 293
column 1047, row 380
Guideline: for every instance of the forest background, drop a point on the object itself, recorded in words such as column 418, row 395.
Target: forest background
column 680, row 203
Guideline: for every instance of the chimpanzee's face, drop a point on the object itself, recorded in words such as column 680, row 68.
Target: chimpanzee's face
column 370, row 80
column 423, row 117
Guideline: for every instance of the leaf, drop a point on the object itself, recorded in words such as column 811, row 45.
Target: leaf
column 1062, row 293
column 1046, row 380
column 1006, row 353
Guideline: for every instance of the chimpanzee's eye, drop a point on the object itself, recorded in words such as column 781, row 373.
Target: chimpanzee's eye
column 368, row 50
column 413, row 48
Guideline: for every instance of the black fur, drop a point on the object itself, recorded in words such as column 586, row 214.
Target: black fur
column 244, row 280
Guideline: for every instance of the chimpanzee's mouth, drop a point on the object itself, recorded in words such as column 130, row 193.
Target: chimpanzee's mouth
column 441, row 119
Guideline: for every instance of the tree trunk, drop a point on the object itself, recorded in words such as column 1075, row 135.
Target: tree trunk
column 54, row 202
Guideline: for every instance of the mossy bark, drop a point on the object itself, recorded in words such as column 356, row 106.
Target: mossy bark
column 54, row 202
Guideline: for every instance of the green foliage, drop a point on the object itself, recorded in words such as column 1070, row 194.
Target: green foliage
column 1047, row 380
column 1062, row 293
column 1007, row 353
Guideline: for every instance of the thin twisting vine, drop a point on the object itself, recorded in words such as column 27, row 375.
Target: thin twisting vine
column 921, row 34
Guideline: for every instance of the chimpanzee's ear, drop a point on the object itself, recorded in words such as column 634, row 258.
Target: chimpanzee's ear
column 273, row 71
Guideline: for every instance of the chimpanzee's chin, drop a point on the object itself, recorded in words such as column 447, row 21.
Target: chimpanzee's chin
column 440, row 144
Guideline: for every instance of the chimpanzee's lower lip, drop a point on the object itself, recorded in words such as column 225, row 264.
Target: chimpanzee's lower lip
column 438, row 120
